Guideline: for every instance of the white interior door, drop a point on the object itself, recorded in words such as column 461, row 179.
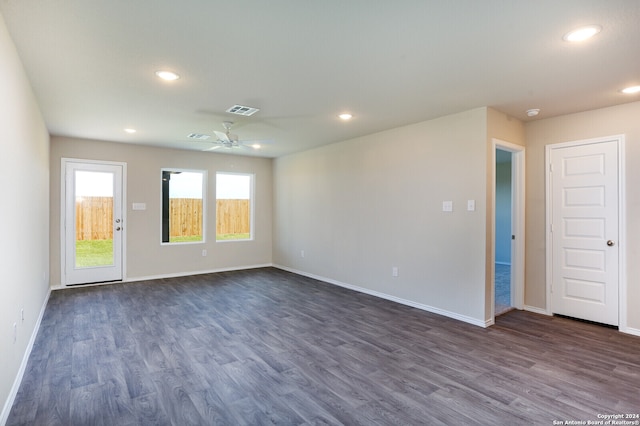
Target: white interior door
column 92, row 222
column 585, row 231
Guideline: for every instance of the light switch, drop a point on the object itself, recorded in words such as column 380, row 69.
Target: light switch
column 471, row 205
column 447, row 206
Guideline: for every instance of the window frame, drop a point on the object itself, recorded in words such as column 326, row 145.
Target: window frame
column 252, row 186
column 205, row 179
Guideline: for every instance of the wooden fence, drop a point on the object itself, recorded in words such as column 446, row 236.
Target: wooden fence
column 185, row 217
column 94, row 217
column 233, row 217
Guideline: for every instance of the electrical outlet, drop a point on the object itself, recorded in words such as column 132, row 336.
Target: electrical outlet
column 394, row 271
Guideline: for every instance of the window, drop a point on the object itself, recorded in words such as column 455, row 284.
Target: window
column 183, row 206
column 234, row 206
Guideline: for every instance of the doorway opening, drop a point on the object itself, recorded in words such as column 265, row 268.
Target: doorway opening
column 508, row 228
column 503, row 235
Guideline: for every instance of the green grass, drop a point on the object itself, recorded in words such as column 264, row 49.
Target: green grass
column 185, row 239
column 90, row 253
column 226, row 237
column 94, row 253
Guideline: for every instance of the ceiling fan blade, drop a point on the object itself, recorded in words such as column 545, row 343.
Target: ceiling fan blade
column 222, row 136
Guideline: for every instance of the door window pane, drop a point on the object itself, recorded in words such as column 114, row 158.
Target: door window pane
column 94, row 219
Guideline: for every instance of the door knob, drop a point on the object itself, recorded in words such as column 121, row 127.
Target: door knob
column 611, row 243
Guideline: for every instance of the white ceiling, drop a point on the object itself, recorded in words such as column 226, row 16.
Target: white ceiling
column 302, row 62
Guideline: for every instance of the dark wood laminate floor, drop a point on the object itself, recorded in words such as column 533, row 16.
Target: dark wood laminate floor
column 270, row 347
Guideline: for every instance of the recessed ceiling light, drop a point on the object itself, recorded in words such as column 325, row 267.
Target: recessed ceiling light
column 167, row 75
column 582, row 33
column 533, row 112
column 256, row 146
column 130, row 130
column 631, row 90
column 345, row 116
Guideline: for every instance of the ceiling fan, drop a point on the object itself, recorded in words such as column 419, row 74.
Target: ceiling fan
column 228, row 140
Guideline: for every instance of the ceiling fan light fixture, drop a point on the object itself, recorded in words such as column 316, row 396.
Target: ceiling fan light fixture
column 582, row 33
column 167, row 75
column 631, row 90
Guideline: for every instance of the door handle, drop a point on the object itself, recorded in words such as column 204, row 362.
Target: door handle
column 611, row 243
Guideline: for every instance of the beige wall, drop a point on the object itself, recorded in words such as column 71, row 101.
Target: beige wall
column 504, row 127
column 145, row 256
column 24, row 215
column 622, row 119
column 360, row 207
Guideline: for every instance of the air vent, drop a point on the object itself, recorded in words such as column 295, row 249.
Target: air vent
column 198, row 136
column 242, row 110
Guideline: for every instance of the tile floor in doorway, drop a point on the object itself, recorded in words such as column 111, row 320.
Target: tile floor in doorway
column 503, row 289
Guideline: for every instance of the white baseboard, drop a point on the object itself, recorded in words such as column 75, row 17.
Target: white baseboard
column 406, row 302
column 630, row 330
column 4, row 415
column 627, row 330
column 187, row 274
column 536, row 310
column 172, row 275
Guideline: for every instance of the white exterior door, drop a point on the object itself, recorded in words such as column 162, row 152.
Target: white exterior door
column 93, row 223
column 585, row 231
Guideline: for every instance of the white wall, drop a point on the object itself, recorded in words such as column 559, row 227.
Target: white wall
column 24, row 214
column 622, row 119
column 145, row 256
column 360, row 207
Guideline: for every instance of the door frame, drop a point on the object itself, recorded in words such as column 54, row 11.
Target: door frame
column 517, row 222
column 621, row 243
column 63, row 171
